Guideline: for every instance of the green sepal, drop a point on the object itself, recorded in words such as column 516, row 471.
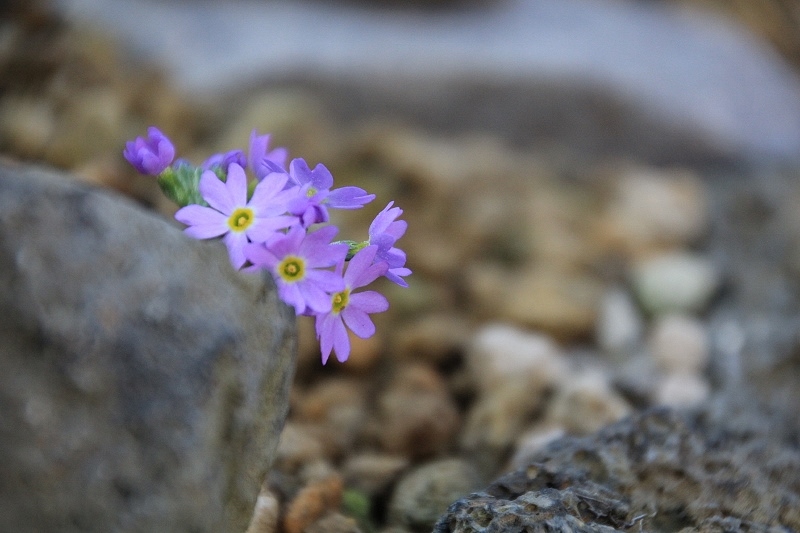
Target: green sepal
column 353, row 247
column 181, row 185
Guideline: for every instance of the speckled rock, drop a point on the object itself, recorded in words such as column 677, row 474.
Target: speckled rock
column 144, row 381
column 655, row 471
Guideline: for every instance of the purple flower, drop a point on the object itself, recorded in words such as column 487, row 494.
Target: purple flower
column 316, row 194
column 297, row 260
column 307, row 206
column 231, row 215
column 225, row 160
column 263, row 162
column 152, row 155
column 383, row 233
column 352, row 309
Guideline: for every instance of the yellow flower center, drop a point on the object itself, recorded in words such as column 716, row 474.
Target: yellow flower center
column 241, row 219
column 311, row 192
column 291, row 269
column 340, row 301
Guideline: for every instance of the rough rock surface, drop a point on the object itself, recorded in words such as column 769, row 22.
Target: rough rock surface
column 656, row 471
column 144, row 382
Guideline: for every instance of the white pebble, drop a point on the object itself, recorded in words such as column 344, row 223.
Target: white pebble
column 500, row 354
column 265, row 514
column 675, row 282
column 619, row 326
column 586, row 402
column 682, row 390
column 680, row 344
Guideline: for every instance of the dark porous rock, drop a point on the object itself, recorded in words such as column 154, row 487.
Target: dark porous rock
column 656, row 471
column 143, row 382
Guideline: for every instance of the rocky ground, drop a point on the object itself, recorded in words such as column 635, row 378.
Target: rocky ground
column 551, row 296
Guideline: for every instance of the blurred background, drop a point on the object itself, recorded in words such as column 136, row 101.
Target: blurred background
column 601, row 198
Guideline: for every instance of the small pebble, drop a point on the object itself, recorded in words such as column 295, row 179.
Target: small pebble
column 372, row 473
column 433, row 338
column 299, row 444
column 676, row 282
column 655, row 208
column 495, row 419
column 314, row 501
column 339, row 406
column 501, row 353
column 619, row 324
column 637, row 378
column 585, row 403
column 417, row 416
column 424, row 493
column 680, row 343
column 682, row 390
column 559, row 303
column 265, row 514
column 334, row 523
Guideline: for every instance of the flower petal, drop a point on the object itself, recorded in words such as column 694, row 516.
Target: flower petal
column 290, row 294
column 260, row 256
column 215, row 193
column 235, row 243
column 315, row 298
column 236, row 183
column 358, row 321
column 368, row 302
column 299, row 171
column 205, row 231
column 394, row 274
column 263, row 228
column 348, row 198
column 324, row 325
column 193, row 215
column 326, row 280
column 265, row 193
column 341, row 341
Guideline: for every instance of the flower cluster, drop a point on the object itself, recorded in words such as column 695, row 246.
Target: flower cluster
column 279, row 221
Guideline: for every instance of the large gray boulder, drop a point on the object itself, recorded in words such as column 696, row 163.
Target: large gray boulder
column 143, row 382
column 641, row 78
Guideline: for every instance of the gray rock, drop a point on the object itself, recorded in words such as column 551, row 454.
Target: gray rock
column 424, row 493
column 656, row 471
column 144, row 382
column 638, row 77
